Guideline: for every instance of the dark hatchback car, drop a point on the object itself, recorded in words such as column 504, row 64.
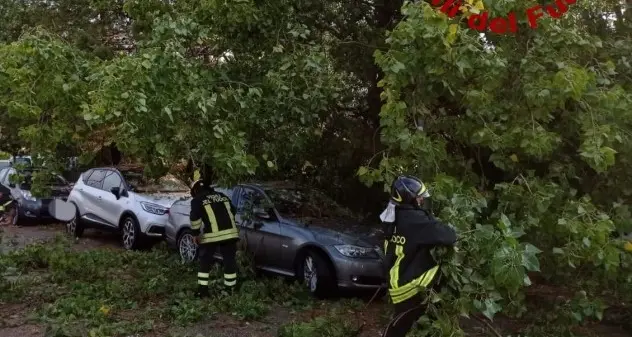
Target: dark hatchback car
column 29, row 207
column 290, row 231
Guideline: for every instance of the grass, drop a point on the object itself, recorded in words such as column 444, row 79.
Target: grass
column 116, row 293
column 125, row 293
column 332, row 324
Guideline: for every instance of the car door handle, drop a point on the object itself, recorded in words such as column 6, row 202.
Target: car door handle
column 99, row 197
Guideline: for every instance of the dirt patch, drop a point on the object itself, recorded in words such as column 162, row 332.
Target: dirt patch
column 27, row 330
column 14, row 322
column 13, row 238
column 19, row 237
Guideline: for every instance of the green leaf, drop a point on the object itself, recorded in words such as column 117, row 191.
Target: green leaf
column 529, row 258
column 514, row 158
column 397, row 66
column 168, row 112
column 491, row 308
column 362, row 171
column 270, row 164
column 504, row 222
column 527, row 280
column 608, row 154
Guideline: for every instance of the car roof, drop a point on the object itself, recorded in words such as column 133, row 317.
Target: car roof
column 103, row 168
column 280, row 184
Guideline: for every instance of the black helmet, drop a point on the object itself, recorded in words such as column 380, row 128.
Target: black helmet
column 406, row 189
column 196, row 186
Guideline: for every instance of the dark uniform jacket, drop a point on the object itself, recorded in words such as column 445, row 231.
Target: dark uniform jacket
column 213, row 215
column 407, row 249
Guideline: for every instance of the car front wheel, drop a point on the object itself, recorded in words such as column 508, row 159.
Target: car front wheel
column 130, row 233
column 187, row 248
column 16, row 221
column 317, row 275
column 75, row 227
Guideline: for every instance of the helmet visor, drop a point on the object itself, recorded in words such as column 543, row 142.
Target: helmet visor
column 423, row 191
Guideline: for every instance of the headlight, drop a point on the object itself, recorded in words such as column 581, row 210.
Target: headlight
column 153, row 208
column 356, row 251
column 28, row 196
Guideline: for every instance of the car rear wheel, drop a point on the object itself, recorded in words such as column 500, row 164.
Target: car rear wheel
column 130, row 233
column 187, row 248
column 16, row 220
column 316, row 274
column 75, row 227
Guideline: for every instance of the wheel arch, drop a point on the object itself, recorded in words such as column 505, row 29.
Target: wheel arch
column 76, row 208
column 180, row 231
column 124, row 215
column 311, row 247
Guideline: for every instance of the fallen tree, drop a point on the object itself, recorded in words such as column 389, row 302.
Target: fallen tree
column 524, row 138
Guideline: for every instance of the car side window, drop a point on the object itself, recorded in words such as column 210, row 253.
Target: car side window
column 7, row 177
column 250, row 199
column 3, row 172
column 86, row 175
column 112, row 179
column 96, row 179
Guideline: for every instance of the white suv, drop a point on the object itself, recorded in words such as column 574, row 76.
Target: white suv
column 106, row 200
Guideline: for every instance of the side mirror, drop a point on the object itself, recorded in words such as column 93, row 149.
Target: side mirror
column 116, row 191
column 261, row 214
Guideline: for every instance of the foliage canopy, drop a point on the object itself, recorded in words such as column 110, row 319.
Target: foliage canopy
column 525, row 138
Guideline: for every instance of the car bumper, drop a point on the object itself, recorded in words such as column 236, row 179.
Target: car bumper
column 359, row 273
column 38, row 209
column 152, row 225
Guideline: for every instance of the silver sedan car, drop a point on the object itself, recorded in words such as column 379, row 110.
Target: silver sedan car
column 281, row 239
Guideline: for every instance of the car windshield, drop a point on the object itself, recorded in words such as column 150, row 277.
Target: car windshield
column 166, row 184
column 305, row 203
column 22, row 161
column 53, row 181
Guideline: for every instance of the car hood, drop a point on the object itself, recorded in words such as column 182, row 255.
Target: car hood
column 341, row 234
column 163, row 199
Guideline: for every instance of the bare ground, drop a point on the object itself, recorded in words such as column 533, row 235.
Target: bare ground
column 14, row 319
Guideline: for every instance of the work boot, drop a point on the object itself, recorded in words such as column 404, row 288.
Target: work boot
column 202, row 292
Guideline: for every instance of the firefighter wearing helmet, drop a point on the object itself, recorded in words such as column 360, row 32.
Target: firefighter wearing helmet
column 213, row 223
column 413, row 233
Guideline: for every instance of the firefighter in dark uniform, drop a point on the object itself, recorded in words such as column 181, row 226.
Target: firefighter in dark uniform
column 411, row 268
column 213, row 223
